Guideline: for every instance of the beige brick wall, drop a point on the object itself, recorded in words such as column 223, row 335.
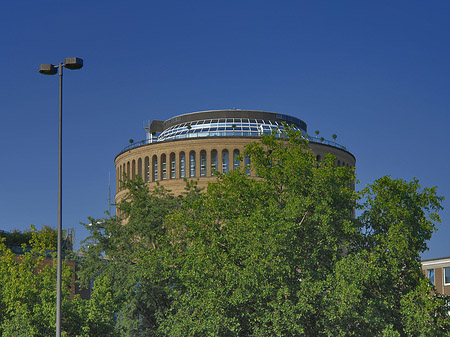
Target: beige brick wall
column 140, row 160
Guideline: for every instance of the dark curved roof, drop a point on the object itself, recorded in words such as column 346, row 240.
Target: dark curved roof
column 233, row 113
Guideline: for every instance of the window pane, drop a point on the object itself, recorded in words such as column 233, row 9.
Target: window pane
column 247, row 164
column 192, row 164
column 139, row 170
column 172, row 166
column 182, row 166
column 163, row 167
column 225, row 161
column 430, row 275
column 203, row 164
column 213, row 161
column 236, row 161
column 447, row 275
column 155, row 168
column 147, row 169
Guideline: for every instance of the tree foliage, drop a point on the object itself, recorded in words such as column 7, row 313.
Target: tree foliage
column 28, row 293
column 115, row 249
column 282, row 254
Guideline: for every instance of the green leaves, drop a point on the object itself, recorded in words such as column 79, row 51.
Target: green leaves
column 28, row 288
column 281, row 254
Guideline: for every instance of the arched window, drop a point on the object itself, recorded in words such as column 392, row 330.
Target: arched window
column 318, row 158
column 192, row 164
column 139, row 169
column 155, row 168
column 247, row 164
column 225, row 161
column 172, row 165
column 163, row 167
column 182, row 165
column 213, row 161
column 119, row 169
column 133, row 169
column 147, row 169
column 338, row 163
column 236, row 161
column 203, row 163
column 128, row 169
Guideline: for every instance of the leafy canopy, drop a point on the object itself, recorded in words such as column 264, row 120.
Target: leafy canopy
column 278, row 255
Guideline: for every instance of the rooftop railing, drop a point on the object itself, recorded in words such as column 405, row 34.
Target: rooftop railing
column 229, row 134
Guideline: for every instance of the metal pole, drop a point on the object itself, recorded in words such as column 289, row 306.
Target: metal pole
column 59, row 264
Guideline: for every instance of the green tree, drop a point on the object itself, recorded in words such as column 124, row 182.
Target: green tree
column 278, row 255
column 28, row 293
column 28, row 287
column 283, row 255
column 240, row 254
column 115, row 249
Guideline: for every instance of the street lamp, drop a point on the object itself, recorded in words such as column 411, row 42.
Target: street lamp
column 50, row 69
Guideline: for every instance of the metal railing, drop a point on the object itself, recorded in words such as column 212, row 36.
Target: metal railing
column 230, row 134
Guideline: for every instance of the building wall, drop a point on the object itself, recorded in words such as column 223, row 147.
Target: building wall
column 438, row 266
column 140, row 160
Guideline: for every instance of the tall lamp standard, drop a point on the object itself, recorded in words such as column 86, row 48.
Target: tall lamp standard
column 50, row 69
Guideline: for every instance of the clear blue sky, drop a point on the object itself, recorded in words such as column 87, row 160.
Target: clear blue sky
column 376, row 73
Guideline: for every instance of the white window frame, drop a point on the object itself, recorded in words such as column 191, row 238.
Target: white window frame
column 443, row 275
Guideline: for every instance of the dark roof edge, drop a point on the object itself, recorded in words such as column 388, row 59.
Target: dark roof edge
column 233, row 113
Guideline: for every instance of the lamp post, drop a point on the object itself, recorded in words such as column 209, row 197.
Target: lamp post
column 50, row 69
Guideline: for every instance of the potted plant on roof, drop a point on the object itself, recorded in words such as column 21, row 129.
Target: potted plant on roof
column 334, row 138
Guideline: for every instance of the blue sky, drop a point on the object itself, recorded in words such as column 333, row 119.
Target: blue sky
column 376, row 73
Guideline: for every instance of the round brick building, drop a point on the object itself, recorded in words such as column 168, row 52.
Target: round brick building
column 195, row 145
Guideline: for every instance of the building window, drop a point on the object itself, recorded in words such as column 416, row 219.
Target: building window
column 119, row 178
column 182, row 165
column 247, row 164
column 155, row 168
column 236, row 161
column 172, row 165
column 163, row 167
column 133, row 169
column 213, row 161
column 128, row 170
column 225, row 161
column 430, row 275
column 447, row 276
column 140, row 167
column 192, row 164
column 147, row 169
column 203, row 163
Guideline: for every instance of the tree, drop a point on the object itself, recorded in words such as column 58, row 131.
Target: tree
column 280, row 255
column 28, row 293
column 283, row 256
column 114, row 250
column 28, row 287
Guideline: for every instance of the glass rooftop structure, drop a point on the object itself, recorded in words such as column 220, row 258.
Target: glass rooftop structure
column 222, row 127
column 223, row 123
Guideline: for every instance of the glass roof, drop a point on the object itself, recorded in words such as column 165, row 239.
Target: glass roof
column 222, row 127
